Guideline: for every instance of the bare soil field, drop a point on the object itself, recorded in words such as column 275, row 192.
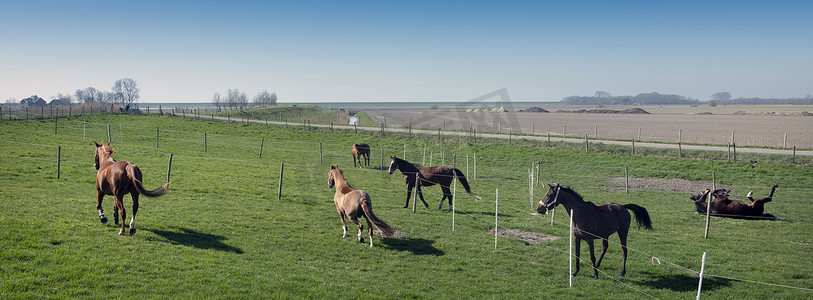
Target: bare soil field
column 760, row 126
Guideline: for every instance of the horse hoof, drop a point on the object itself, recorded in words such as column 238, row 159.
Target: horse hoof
column 121, row 232
column 132, row 231
column 103, row 220
column 405, row 206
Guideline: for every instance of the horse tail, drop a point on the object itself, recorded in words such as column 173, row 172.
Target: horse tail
column 641, row 216
column 463, row 180
column 135, row 174
column 386, row 230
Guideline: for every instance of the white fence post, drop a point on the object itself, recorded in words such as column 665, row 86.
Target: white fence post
column 702, row 269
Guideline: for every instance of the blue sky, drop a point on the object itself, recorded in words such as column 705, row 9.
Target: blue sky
column 308, row 51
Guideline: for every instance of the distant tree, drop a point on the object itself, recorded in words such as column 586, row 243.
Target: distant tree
column 712, row 103
column 602, row 94
column 265, row 99
column 62, row 99
column 108, row 97
column 217, row 100
column 236, row 99
column 11, row 100
column 126, row 90
column 88, row 95
column 721, row 96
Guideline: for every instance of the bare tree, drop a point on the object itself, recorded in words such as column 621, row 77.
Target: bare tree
column 602, row 94
column 217, row 100
column 265, row 99
column 721, row 96
column 88, row 95
column 12, row 100
column 127, row 90
column 62, row 99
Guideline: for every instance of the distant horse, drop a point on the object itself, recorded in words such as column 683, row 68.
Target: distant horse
column 118, row 178
column 429, row 176
column 595, row 222
column 724, row 206
column 359, row 151
column 354, row 203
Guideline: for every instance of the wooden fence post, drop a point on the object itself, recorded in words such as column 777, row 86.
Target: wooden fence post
column 58, row 161
column 415, row 199
column 157, row 131
column 708, row 202
column 279, row 192
column 627, row 180
column 320, row 154
column 205, row 143
column 108, row 133
column 169, row 169
column 262, row 142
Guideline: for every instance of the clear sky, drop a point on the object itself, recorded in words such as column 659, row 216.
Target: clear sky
column 314, row 51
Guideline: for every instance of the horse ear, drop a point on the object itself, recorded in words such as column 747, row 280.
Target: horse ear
column 334, row 167
column 97, row 144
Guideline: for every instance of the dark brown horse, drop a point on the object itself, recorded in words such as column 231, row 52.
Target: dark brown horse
column 429, row 176
column 359, row 151
column 595, row 222
column 118, row 178
column 352, row 203
column 724, row 206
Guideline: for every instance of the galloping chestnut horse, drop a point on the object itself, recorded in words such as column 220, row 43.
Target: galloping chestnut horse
column 595, row 222
column 118, row 178
column 359, row 151
column 354, row 203
column 429, row 176
column 724, row 206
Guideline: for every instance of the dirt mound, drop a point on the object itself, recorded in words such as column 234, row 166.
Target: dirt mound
column 535, row 109
column 606, row 111
column 532, row 238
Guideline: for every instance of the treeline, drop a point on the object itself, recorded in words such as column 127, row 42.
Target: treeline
column 640, row 99
column 768, row 101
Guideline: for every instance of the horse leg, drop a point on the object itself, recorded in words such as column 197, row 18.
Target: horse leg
column 361, row 228
column 604, row 245
column 409, row 195
column 623, row 237
column 135, row 210
column 577, row 243
column 120, row 205
column 420, row 194
column 367, row 159
column 593, row 258
column 99, row 197
column 369, row 231
column 446, row 194
column 344, row 225
column 355, row 158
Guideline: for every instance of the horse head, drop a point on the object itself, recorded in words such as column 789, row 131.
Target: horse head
column 393, row 164
column 105, row 149
column 701, row 196
column 330, row 181
column 550, row 200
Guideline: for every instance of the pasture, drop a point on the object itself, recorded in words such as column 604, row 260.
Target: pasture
column 221, row 231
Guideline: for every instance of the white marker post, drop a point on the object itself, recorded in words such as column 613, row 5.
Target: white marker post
column 571, row 250
column 496, row 213
column 702, row 269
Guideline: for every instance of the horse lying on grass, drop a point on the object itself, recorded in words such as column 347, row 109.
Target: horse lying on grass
column 354, row 203
column 726, row 207
column 118, row 178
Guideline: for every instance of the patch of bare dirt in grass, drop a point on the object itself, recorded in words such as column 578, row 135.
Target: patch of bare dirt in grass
column 532, row 238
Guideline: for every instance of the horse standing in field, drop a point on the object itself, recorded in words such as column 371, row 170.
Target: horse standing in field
column 118, row 178
column 354, row 203
column 359, row 151
column 429, row 176
column 724, row 206
column 595, row 222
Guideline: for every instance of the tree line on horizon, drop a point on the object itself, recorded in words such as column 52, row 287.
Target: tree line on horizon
column 654, row 98
column 124, row 91
column 235, row 99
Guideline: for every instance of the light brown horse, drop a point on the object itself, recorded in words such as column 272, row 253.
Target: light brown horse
column 354, row 203
column 724, row 206
column 591, row 222
column 359, row 151
column 118, row 178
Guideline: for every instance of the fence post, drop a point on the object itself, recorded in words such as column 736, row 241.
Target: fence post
column 586, row 143
column 109, row 140
column 475, row 166
column 702, row 270
column 633, row 146
column 205, row 143
column 58, row 161
column 708, row 202
column 83, row 131
column 734, row 148
column 627, row 180
column 320, row 154
column 169, row 169
column 496, row 214
column 417, row 183
column 793, row 159
column 279, row 192
column 382, row 158
column 262, row 142
column 680, row 149
column 56, row 120
column 157, row 130
column 121, row 134
column 571, row 249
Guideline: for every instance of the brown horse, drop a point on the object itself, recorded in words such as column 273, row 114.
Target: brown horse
column 724, row 206
column 429, row 176
column 118, row 178
column 595, row 222
column 359, row 151
column 354, row 203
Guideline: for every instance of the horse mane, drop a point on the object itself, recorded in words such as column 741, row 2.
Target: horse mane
column 406, row 163
column 578, row 196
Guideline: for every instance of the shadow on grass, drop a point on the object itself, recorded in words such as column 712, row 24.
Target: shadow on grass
column 188, row 237
column 416, row 246
column 683, row 282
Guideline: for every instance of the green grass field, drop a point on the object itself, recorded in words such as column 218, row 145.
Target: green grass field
column 221, row 232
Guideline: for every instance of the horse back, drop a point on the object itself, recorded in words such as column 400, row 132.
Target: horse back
column 113, row 178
